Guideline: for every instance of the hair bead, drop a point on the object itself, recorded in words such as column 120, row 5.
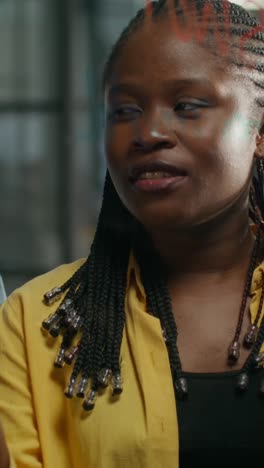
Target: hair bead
column 89, row 402
column 52, row 318
column 71, row 354
column 181, row 388
column 242, row 382
column 250, row 336
column 71, row 313
column 261, row 388
column 59, row 361
column 57, row 328
column 66, row 306
column 259, row 360
column 261, row 160
column 70, row 389
column 165, row 336
column 234, row 352
column 82, row 388
column 52, row 296
column 103, row 377
column 117, row 384
column 56, row 316
column 75, row 324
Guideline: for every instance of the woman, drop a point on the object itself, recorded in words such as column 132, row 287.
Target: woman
column 168, row 306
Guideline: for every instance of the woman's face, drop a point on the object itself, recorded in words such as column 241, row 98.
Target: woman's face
column 180, row 134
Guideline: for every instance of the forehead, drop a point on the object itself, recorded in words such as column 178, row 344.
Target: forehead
column 155, row 54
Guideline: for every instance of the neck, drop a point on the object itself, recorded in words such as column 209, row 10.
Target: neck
column 213, row 247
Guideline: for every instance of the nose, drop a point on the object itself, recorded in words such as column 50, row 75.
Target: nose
column 154, row 130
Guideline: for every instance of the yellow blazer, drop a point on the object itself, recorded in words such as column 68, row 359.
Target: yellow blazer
column 139, row 429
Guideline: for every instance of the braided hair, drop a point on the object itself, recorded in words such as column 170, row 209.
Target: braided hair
column 93, row 307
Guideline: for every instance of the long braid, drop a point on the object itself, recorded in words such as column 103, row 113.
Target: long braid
column 159, row 305
column 119, row 326
column 89, row 291
column 95, row 294
column 111, row 318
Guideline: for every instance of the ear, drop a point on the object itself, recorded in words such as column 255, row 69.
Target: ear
column 259, row 151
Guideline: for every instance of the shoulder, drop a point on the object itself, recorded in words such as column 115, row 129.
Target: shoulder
column 29, row 297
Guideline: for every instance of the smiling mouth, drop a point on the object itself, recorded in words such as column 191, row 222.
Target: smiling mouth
column 155, row 171
column 157, row 177
column 154, row 175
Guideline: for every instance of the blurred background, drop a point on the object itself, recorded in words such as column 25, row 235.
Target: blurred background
column 51, row 127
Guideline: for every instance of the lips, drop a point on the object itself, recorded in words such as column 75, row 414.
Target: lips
column 157, row 169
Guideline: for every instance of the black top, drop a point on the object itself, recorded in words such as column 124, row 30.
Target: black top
column 219, row 427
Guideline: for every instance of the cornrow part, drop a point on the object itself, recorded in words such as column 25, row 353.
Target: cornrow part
column 239, row 25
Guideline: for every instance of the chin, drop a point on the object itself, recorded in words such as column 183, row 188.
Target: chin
column 156, row 220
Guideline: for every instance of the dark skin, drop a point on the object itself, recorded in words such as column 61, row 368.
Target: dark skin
column 200, row 228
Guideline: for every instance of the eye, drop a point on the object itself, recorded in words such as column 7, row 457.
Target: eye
column 181, row 106
column 123, row 113
column 189, row 110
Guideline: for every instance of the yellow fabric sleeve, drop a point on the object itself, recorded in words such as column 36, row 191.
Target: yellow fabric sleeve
column 16, row 409
column 12, row 463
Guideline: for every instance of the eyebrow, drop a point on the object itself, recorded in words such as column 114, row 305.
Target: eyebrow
column 133, row 88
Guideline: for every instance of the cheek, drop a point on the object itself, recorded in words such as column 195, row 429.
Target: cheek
column 237, row 134
column 236, row 150
column 116, row 149
column 110, row 143
column 117, row 139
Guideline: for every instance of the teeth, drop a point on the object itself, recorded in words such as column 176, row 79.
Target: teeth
column 154, row 175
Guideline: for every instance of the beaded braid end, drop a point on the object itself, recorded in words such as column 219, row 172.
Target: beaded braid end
column 67, row 322
column 52, row 296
